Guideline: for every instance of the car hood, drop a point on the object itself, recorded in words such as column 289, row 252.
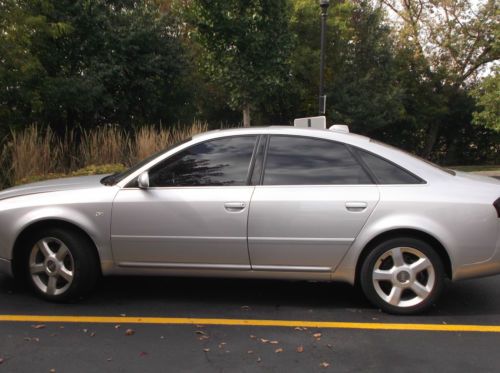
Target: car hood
column 70, row 183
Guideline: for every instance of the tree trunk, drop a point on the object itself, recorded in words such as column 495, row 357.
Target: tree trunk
column 430, row 141
column 246, row 115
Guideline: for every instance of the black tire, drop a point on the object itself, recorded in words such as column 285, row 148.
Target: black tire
column 83, row 264
column 403, row 278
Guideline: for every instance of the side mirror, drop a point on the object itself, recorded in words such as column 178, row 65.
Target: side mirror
column 143, row 180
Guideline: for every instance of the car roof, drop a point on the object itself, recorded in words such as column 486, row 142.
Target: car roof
column 351, row 138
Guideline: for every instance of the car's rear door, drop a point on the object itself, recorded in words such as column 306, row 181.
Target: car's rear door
column 194, row 215
column 310, row 202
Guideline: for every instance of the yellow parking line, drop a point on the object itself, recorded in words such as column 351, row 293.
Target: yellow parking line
column 250, row 322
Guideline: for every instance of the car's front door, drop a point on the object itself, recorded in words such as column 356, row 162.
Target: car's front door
column 312, row 201
column 193, row 215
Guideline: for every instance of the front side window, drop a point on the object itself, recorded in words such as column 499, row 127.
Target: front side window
column 307, row 161
column 223, row 161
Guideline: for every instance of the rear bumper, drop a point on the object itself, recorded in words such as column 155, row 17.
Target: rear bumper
column 6, row 267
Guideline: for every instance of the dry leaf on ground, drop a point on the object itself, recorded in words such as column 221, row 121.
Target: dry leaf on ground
column 129, row 332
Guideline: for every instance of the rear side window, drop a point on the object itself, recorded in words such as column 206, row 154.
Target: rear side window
column 218, row 162
column 294, row 160
column 386, row 172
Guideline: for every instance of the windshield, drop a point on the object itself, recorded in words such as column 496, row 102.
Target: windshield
column 119, row 176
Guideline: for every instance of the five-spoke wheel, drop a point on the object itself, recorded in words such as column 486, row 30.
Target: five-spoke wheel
column 402, row 275
column 60, row 264
column 51, row 266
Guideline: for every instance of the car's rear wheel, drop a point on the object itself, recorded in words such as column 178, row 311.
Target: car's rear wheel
column 60, row 264
column 402, row 276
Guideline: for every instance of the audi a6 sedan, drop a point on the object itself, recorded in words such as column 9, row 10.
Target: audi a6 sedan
column 275, row 203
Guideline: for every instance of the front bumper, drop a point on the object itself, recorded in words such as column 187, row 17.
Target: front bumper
column 6, row 267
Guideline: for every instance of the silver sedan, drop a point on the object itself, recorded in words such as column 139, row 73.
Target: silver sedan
column 275, row 203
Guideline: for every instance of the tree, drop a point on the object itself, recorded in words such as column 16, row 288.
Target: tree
column 89, row 62
column 487, row 95
column 246, row 47
column 448, row 41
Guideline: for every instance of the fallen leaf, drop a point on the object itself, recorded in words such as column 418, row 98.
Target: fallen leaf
column 52, row 371
column 299, row 328
column 200, row 332
column 300, row 349
column 264, row 340
column 324, row 364
column 85, row 330
column 278, row 350
column 249, row 352
column 109, row 359
column 252, row 336
column 222, row 344
column 329, row 345
column 123, row 314
column 92, row 334
column 203, row 337
column 117, row 326
column 39, row 326
column 274, row 342
column 129, row 332
column 317, row 335
column 259, row 359
column 206, row 349
column 245, row 308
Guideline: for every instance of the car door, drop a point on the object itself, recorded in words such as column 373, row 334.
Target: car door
column 311, row 200
column 193, row 215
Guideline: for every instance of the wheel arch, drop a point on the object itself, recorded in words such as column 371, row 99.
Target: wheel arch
column 17, row 267
column 406, row 232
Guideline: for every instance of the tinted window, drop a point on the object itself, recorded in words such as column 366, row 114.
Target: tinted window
column 217, row 162
column 385, row 171
column 306, row 161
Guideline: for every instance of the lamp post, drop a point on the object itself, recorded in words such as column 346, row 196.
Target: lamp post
column 322, row 97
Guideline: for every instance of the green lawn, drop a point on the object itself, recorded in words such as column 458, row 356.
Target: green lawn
column 475, row 168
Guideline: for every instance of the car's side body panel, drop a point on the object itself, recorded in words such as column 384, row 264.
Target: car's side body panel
column 89, row 210
column 306, row 227
column 181, row 227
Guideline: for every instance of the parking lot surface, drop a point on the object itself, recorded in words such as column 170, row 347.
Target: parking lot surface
column 156, row 324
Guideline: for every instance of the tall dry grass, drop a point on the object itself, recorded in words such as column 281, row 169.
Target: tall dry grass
column 36, row 152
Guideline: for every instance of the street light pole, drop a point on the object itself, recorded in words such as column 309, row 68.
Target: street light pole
column 322, row 97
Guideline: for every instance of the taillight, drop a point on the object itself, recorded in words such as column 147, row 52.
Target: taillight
column 496, row 204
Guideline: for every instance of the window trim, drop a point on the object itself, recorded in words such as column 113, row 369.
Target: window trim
column 373, row 182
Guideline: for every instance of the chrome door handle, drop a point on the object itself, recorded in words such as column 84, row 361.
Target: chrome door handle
column 234, row 206
column 356, row 206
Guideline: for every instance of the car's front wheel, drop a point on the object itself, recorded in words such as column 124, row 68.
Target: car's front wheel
column 61, row 265
column 402, row 276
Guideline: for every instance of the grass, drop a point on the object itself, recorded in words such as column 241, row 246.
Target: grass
column 34, row 154
column 476, row 168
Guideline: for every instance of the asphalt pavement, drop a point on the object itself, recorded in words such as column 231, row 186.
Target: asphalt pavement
column 359, row 343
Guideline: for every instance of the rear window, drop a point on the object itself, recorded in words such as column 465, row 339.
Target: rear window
column 387, row 172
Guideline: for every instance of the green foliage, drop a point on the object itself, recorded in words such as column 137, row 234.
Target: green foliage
column 246, row 46
column 487, row 95
column 89, row 62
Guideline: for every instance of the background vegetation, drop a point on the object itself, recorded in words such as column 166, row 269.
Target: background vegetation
column 87, row 82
